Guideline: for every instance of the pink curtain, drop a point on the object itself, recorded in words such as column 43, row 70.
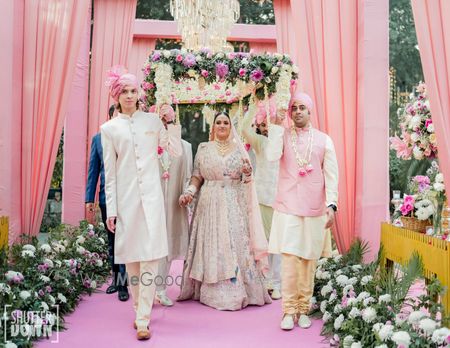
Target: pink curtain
column 286, row 40
column 140, row 50
column 432, row 20
column 52, row 36
column 330, row 50
column 261, row 47
column 111, row 45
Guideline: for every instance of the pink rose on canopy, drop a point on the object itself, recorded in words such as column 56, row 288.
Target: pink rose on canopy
column 242, row 72
column 179, row 58
column 205, row 73
column 257, row 75
column 428, row 122
column 222, row 70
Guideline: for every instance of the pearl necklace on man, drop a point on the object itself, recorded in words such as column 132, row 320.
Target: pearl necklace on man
column 304, row 162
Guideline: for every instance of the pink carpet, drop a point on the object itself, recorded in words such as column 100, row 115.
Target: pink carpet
column 101, row 320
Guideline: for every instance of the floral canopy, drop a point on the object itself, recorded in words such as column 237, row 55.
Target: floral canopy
column 187, row 77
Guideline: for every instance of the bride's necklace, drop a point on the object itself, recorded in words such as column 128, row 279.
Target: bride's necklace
column 222, row 146
column 304, row 161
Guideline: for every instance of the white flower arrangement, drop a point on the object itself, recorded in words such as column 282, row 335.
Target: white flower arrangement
column 338, row 322
column 28, row 253
column 342, row 280
column 283, row 95
column 440, row 335
column 428, row 326
column 354, row 313
column 402, row 338
column 369, row 314
column 386, row 332
column 415, row 317
column 29, row 247
column 366, row 279
column 386, row 298
column 24, row 295
column 46, row 248
column 163, row 82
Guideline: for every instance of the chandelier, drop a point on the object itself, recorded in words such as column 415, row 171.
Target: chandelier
column 205, row 23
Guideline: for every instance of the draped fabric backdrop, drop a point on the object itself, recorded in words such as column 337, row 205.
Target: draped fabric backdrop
column 261, row 47
column 286, row 40
column 51, row 39
column 140, row 50
column 330, row 50
column 111, row 45
column 432, row 20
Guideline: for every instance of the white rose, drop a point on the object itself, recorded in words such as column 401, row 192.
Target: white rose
column 415, row 317
column 27, row 253
column 386, row 298
column 46, row 248
column 438, row 186
column 183, row 50
column 101, row 240
column 274, row 70
column 430, row 128
column 415, row 122
column 363, row 295
column 342, row 280
column 338, row 322
column 369, row 314
column 337, row 309
column 323, row 306
column 356, row 345
column 44, row 306
column 93, row 284
column 402, row 338
column 354, row 313
column 166, row 54
column 326, row 316
column 90, row 227
column 80, row 240
column 348, row 340
column 44, row 278
column 10, row 345
column 415, row 137
column 313, row 300
column 440, row 335
column 386, row 332
column 198, row 58
column 62, row 298
column 428, row 326
column 366, row 279
column 418, row 153
column 244, row 61
column 49, row 263
column 326, row 290
column 439, row 177
column 29, row 247
column 24, row 294
column 326, row 275
column 99, row 263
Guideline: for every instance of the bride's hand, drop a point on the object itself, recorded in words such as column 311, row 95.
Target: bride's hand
column 246, row 167
column 185, row 199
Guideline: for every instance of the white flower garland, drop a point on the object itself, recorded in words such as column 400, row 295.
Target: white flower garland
column 163, row 82
column 283, row 94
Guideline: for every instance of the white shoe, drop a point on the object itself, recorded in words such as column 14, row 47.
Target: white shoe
column 288, row 322
column 164, row 300
column 276, row 294
column 304, row 322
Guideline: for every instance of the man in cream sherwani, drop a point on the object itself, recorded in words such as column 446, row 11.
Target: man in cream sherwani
column 134, row 199
column 305, row 205
column 175, row 174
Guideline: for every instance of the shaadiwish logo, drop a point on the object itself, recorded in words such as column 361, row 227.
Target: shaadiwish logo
column 28, row 324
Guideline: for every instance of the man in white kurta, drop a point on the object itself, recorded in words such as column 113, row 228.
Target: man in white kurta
column 175, row 173
column 266, row 177
column 134, row 199
column 304, row 206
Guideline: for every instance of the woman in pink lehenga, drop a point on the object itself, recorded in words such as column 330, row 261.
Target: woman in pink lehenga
column 227, row 249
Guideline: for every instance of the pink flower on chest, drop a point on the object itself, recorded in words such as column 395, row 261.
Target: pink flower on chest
column 160, row 150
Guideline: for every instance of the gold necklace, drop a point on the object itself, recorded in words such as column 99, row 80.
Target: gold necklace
column 222, row 146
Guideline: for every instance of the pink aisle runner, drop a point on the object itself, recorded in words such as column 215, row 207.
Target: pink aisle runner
column 103, row 321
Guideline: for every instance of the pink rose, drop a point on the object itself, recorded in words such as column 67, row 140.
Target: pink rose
column 160, row 150
column 247, row 147
column 216, row 86
column 242, row 72
column 228, row 92
column 408, row 199
column 302, row 172
column 166, row 176
column 179, row 58
column 428, row 122
column 205, row 73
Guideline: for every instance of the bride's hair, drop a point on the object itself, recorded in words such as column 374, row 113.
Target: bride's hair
column 221, row 113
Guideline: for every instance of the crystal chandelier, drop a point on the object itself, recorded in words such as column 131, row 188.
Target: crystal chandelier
column 205, row 23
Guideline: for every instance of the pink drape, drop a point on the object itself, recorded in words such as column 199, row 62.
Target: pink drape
column 286, row 40
column 75, row 133
column 327, row 34
column 432, row 20
column 52, row 36
column 261, row 47
column 140, row 50
column 111, row 45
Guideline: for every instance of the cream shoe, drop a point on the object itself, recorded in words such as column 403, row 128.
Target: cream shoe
column 276, row 294
column 304, row 322
column 288, row 322
column 163, row 299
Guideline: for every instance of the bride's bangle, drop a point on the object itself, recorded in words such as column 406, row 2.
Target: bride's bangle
column 191, row 190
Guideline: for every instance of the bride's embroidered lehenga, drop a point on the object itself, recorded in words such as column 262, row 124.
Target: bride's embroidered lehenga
column 221, row 270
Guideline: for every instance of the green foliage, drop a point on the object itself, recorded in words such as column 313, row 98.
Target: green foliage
column 58, row 170
column 403, row 54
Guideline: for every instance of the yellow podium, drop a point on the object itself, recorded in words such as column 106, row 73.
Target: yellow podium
column 399, row 243
column 4, row 228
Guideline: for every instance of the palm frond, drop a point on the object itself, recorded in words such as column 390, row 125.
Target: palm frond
column 356, row 252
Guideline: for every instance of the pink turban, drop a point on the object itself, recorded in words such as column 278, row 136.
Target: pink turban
column 261, row 114
column 302, row 98
column 166, row 112
column 117, row 79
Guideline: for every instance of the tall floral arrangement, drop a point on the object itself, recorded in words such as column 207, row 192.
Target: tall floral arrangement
column 417, row 139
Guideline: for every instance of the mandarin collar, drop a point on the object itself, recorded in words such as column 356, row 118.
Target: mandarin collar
column 127, row 117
